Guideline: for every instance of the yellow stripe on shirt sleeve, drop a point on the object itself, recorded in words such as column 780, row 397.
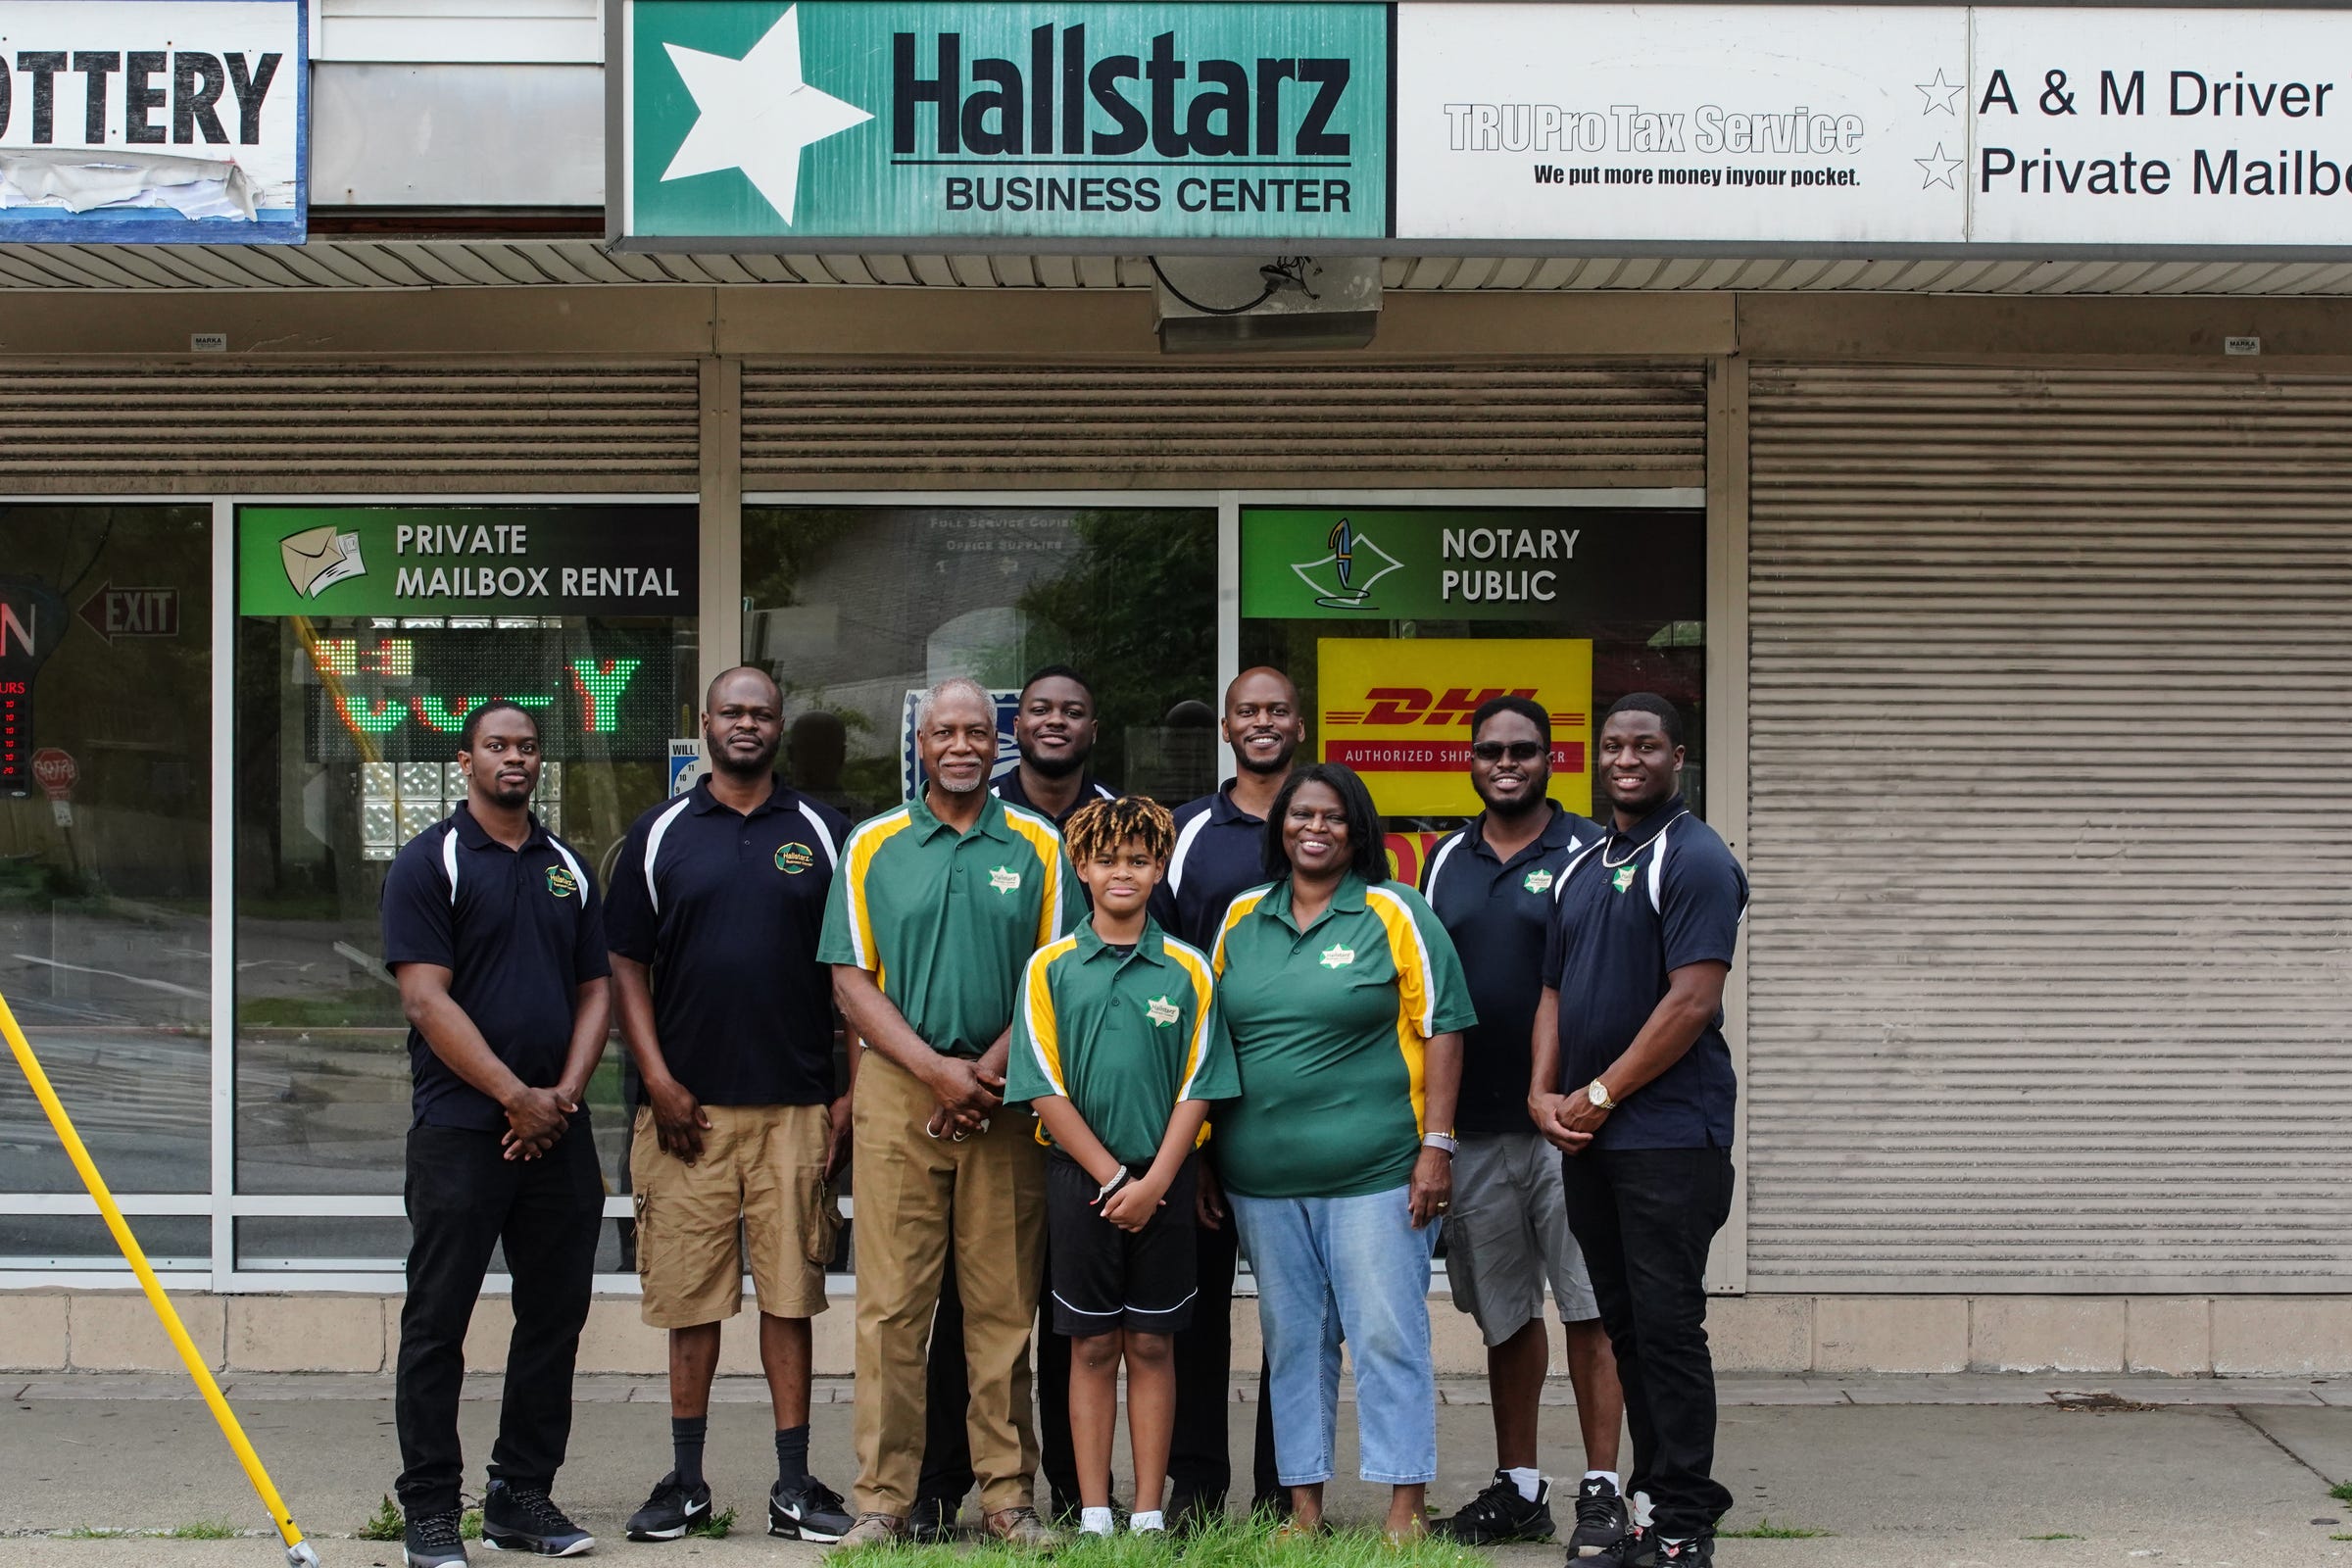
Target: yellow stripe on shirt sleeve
column 1045, row 842
column 1196, row 1052
column 1416, row 1000
column 1234, row 911
column 858, row 864
column 1036, row 1012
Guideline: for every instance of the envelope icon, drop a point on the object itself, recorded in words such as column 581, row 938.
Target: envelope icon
column 318, row 559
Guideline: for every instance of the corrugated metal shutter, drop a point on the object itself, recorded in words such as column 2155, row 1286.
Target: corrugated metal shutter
column 2052, row 745
column 1193, row 424
column 180, row 428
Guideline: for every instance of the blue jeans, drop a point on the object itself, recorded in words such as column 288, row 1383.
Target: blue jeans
column 1354, row 1269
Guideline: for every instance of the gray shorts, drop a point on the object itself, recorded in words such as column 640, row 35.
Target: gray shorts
column 1507, row 1232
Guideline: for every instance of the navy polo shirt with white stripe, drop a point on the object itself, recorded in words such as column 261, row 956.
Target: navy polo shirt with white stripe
column 519, row 931
column 726, row 909
column 1499, row 913
column 1634, row 906
column 1009, row 790
column 1220, row 853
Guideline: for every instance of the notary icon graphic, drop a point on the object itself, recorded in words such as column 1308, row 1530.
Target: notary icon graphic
column 318, row 559
column 1351, row 549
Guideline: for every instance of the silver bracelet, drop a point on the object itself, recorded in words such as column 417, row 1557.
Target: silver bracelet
column 1113, row 1185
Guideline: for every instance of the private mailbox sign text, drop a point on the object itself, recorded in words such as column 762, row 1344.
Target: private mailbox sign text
column 154, row 120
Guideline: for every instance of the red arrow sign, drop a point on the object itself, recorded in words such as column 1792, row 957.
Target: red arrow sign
column 114, row 612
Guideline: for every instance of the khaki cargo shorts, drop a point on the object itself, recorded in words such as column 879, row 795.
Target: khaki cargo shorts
column 761, row 1173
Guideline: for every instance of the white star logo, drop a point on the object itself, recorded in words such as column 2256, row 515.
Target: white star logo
column 1939, row 90
column 757, row 114
column 1939, row 169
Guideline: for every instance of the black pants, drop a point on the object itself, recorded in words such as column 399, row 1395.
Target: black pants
column 464, row 1200
column 1200, row 1459
column 1644, row 1217
column 948, row 1393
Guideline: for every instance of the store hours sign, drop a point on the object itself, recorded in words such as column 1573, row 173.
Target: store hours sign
column 131, row 121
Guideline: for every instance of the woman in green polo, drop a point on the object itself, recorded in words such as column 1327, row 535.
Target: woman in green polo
column 1346, row 1003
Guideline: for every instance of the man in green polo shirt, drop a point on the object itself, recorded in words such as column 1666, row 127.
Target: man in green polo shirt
column 935, row 911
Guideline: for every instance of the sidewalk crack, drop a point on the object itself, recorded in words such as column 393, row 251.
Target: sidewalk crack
column 2239, row 1411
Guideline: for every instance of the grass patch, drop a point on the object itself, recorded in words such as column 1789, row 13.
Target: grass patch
column 92, row 1533
column 202, row 1530
column 716, row 1526
column 385, row 1524
column 469, row 1528
column 2341, row 1491
column 1766, row 1530
column 1234, row 1543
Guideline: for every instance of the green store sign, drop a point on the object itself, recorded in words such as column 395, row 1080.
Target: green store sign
column 466, row 560
column 750, row 121
column 1524, row 563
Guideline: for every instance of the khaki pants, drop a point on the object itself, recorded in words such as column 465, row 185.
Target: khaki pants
column 916, row 1196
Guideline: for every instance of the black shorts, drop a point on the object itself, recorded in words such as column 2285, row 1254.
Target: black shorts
column 1104, row 1278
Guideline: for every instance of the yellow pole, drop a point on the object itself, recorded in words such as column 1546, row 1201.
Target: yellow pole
column 298, row 1550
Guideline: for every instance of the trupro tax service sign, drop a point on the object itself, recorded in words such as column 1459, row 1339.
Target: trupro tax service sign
column 1480, row 127
column 130, row 122
column 772, row 123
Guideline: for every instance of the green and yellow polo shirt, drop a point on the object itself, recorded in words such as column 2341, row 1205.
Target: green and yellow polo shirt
column 944, row 922
column 1330, row 1029
column 1126, row 1038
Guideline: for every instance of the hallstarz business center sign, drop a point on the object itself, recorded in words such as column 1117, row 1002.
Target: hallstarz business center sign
column 1480, row 127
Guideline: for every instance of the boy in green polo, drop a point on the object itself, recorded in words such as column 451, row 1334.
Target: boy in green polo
column 1118, row 1046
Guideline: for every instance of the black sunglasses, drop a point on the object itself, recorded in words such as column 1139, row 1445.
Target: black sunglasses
column 1516, row 751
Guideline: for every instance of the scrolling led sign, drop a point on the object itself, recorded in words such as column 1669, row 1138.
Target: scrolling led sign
column 403, row 696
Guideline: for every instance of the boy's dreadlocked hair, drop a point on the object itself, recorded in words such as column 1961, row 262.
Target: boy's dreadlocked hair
column 1101, row 826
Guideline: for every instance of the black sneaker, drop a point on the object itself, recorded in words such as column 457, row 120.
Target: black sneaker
column 1187, row 1511
column 431, row 1540
column 526, row 1519
column 934, row 1519
column 1600, row 1518
column 1696, row 1552
column 1500, row 1514
column 808, row 1510
column 1636, row 1549
column 673, row 1509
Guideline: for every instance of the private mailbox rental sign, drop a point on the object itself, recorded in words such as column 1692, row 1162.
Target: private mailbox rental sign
column 766, row 123
column 131, row 121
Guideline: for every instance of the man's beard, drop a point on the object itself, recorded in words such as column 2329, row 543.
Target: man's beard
column 725, row 762
column 1280, row 765
column 1527, row 804
column 979, row 782
column 1053, row 766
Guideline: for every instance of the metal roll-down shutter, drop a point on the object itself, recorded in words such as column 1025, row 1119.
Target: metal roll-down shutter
column 1158, row 423
column 2050, row 957
column 181, row 428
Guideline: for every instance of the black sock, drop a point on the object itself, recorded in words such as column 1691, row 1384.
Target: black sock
column 791, row 1453
column 686, row 1434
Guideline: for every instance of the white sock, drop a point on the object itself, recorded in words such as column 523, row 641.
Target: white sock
column 1528, row 1481
column 1094, row 1521
column 1610, row 1476
column 1147, row 1523
column 1640, row 1502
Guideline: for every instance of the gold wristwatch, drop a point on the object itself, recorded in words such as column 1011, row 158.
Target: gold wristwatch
column 1598, row 1092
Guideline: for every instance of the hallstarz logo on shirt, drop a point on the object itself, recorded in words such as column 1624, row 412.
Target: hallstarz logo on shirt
column 1336, row 957
column 1623, row 878
column 560, row 882
column 1538, row 881
column 794, row 859
column 1160, row 1011
column 1004, row 879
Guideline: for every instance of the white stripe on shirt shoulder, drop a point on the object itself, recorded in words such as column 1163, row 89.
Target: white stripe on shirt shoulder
column 1105, row 791
column 1437, row 861
column 573, row 861
column 824, row 835
column 449, row 863
column 653, row 846
column 1184, row 844
column 1574, row 860
column 1657, row 873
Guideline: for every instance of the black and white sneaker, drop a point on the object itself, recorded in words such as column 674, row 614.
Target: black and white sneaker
column 1696, row 1552
column 808, row 1510
column 1499, row 1513
column 1602, row 1518
column 431, row 1540
column 1636, row 1549
column 673, row 1509
column 526, row 1519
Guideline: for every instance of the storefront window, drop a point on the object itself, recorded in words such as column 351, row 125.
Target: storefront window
column 366, row 635
column 105, row 862
column 1396, row 623
column 854, row 608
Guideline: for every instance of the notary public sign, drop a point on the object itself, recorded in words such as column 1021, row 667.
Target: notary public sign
column 130, row 122
column 1483, row 126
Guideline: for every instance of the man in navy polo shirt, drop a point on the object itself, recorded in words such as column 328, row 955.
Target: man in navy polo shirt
column 1220, row 853
column 1632, row 1080
column 1054, row 730
column 1507, row 1234
column 491, row 927
column 717, row 904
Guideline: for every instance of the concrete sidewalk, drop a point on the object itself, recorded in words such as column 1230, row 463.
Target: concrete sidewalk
column 1933, row 1471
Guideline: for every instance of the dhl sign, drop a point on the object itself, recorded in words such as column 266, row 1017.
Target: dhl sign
column 1398, row 711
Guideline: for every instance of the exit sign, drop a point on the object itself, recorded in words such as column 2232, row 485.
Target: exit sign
column 113, row 613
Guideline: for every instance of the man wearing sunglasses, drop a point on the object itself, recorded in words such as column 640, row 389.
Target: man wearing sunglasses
column 1491, row 886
